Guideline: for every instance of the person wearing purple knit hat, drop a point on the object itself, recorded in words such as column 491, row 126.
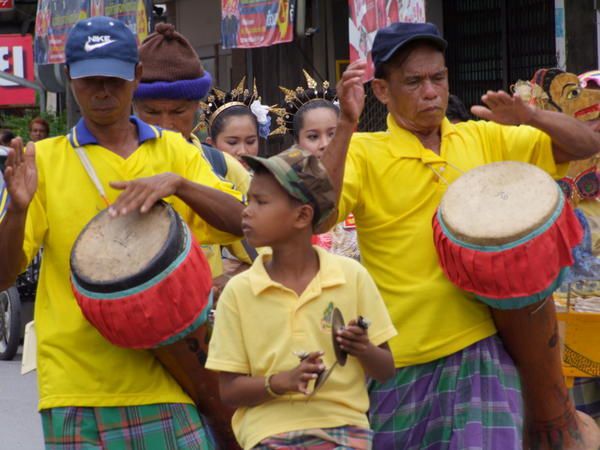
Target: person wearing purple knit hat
column 172, row 84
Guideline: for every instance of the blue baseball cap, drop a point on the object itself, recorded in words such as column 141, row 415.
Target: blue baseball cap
column 101, row 47
column 392, row 38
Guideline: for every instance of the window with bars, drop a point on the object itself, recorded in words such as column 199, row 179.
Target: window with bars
column 493, row 43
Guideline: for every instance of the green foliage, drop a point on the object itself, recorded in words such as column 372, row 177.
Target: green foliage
column 19, row 124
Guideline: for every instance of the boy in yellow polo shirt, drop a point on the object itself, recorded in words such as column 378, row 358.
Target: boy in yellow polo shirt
column 281, row 307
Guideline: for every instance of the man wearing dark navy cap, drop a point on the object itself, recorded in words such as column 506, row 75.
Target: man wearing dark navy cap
column 456, row 387
column 93, row 394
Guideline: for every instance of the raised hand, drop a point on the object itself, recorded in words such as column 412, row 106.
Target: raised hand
column 504, row 109
column 297, row 379
column 351, row 92
column 20, row 175
column 141, row 194
column 353, row 339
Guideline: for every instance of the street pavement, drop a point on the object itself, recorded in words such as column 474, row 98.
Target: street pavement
column 20, row 424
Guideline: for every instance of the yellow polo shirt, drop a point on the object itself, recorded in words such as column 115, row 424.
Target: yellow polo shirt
column 391, row 186
column 240, row 178
column 260, row 323
column 76, row 365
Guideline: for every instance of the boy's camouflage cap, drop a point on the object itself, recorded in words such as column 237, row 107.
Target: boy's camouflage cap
column 302, row 175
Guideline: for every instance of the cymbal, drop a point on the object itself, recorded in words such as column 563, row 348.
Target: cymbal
column 337, row 324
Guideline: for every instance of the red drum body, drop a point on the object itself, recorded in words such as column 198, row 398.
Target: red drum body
column 144, row 283
column 504, row 232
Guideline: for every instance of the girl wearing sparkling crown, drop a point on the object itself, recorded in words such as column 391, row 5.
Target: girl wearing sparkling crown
column 311, row 116
column 235, row 120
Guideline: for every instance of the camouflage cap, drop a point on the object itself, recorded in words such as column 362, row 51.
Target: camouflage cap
column 302, row 175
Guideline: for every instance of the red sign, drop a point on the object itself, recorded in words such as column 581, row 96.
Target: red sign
column 16, row 58
column 367, row 16
column 7, row 5
column 256, row 23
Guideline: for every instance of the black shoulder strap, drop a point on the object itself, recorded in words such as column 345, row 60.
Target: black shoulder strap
column 216, row 159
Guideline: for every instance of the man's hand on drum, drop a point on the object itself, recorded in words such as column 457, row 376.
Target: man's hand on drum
column 297, row 379
column 141, row 194
column 504, row 108
column 20, row 175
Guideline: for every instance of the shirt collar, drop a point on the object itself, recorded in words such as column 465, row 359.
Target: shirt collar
column 407, row 145
column 80, row 135
column 330, row 274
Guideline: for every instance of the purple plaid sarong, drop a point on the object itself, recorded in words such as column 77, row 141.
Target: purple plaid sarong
column 586, row 395
column 468, row 400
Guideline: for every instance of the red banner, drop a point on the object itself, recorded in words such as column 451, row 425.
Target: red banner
column 16, row 58
column 7, row 5
column 256, row 23
column 368, row 16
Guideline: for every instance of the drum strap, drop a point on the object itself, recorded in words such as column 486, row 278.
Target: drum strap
column 87, row 165
column 439, row 174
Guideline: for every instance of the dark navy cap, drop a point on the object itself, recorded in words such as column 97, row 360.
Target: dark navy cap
column 101, row 46
column 392, row 38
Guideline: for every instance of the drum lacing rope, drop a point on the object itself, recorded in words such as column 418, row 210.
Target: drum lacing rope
column 539, row 307
column 440, row 176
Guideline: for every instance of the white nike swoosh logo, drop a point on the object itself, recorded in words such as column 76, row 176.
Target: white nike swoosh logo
column 89, row 47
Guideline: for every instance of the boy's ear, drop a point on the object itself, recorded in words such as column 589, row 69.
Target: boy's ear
column 304, row 216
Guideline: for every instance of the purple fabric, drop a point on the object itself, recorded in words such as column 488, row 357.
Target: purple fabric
column 468, row 400
column 176, row 90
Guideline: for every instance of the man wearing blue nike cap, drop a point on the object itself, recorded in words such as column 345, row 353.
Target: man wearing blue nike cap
column 95, row 395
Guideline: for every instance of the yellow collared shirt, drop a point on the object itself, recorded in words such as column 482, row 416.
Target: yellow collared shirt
column 393, row 185
column 76, row 365
column 240, row 178
column 260, row 323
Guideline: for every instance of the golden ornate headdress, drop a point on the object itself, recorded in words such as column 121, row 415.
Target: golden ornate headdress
column 294, row 99
column 219, row 100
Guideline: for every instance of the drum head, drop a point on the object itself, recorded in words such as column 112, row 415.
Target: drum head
column 499, row 203
column 337, row 323
column 113, row 254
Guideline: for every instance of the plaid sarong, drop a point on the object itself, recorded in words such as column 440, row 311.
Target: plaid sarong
column 586, row 396
column 167, row 426
column 468, row 400
column 338, row 438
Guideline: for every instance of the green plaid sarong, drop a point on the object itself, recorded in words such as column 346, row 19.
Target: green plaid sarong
column 468, row 400
column 167, row 426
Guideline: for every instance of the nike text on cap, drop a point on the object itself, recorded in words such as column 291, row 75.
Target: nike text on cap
column 101, row 47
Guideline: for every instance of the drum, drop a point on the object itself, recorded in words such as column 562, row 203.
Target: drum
column 504, row 232
column 144, row 283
